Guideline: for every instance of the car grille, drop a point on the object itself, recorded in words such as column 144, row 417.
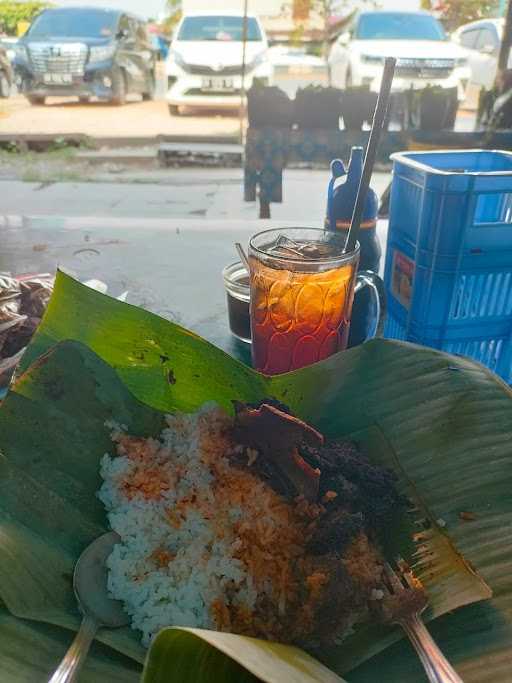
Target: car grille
column 52, row 58
column 424, row 68
column 205, row 70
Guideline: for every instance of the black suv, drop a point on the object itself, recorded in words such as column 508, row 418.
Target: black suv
column 85, row 52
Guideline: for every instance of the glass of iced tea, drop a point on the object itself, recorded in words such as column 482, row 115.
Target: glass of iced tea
column 302, row 288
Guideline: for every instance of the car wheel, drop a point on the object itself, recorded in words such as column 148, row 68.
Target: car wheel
column 5, row 87
column 118, row 87
column 174, row 110
column 150, row 93
column 36, row 99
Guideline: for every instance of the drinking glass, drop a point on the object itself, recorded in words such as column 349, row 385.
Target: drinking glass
column 302, row 287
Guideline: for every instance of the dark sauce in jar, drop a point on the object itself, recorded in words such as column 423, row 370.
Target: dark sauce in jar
column 236, row 280
column 239, row 321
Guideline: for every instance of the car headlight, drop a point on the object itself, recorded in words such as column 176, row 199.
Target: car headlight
column 177, row 59
column 20, row 52
column 461, row 61
column 100, row 53
column 372, row 59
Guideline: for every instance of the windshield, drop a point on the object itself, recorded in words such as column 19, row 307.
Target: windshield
column 74, row 24
column 218, row 28
column 399, row 26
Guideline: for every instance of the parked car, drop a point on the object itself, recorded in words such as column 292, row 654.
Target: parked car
column 85, row 52
column 6, row 73
column 425, row 55
column 294, row 59
column 204, row 66
column 482, row 40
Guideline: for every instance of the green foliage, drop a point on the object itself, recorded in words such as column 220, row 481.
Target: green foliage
column 455, row 13
column 174, row 9
column 296, row 35
column 11, row 13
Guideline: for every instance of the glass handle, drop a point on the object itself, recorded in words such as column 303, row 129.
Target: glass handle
column 367, row 278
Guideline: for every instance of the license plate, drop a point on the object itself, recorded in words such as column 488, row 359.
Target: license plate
column 218, row 84
column 58, row 79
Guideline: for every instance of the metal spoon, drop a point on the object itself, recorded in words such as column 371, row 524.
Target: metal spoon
column 98, row 609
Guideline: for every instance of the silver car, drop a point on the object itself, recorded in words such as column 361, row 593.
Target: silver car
column 482, row 40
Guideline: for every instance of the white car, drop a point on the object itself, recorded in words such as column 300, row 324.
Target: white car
column 425, row 55
column 294, row 59
column 482, row 40
column 204, row 66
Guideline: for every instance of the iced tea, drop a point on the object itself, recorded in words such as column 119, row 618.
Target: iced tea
column 302, row 289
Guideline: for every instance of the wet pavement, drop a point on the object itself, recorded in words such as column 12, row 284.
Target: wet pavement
column 163, row 265
column 169, row 193
column 162, row 243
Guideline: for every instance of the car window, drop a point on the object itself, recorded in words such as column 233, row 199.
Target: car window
column 221, row 28
column 468, row 38
column 74, row 23
column 398, row 26
column 487, row 38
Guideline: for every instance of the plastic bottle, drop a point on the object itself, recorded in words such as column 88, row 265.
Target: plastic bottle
column 340, row 206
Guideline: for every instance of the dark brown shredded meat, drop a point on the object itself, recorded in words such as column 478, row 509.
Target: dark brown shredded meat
column 354, row 499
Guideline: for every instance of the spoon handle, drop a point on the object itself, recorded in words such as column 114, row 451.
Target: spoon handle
column 77, row 652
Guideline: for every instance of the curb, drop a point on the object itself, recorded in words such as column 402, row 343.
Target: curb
column 42, row 143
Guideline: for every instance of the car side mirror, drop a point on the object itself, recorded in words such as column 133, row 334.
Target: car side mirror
column 488, row 49
column 344, row 39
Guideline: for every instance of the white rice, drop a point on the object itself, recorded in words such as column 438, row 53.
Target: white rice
column 182, row 591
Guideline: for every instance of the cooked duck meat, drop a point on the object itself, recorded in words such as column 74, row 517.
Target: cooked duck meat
column 276, row 436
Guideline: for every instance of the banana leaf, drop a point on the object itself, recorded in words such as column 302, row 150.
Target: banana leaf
column 443, row 424
column 29, row 651
column 212, row 657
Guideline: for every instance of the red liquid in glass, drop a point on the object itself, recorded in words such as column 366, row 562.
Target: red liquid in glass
column 299, row 318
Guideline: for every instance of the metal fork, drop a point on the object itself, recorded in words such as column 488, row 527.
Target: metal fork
column 403, row 602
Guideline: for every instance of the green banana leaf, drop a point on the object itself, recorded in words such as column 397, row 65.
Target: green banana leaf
column 49, row 473
column 212, row 657
column 443, row 424
column 29, row 651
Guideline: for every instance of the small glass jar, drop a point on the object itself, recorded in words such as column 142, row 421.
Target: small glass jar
column 236, row 282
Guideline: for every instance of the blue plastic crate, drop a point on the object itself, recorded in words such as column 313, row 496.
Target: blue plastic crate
column 449, row 254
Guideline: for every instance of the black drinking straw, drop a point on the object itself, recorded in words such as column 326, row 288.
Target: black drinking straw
column 379, row 117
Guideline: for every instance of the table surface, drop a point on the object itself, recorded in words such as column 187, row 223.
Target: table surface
column 170, row 267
